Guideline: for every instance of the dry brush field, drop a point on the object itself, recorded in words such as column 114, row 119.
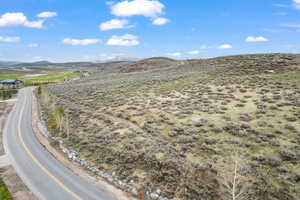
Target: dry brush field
column 222, row 128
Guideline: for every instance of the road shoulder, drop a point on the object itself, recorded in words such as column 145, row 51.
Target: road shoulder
column 15, row 185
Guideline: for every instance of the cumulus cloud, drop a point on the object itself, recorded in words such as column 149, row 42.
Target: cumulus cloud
column 9, row 39
column 34, row 24
column 160, row 21
column 115, row 24
column 123, row 40
column 82, row 42
column 195, row 52
column 297, row 4
column 256, row 39
column 19, row 19
column 47, row 14
column 33, row 45
column 225, row 46
column 147, row 8
column 174, row 54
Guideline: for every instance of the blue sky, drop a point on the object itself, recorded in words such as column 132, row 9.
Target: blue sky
column 57, row 30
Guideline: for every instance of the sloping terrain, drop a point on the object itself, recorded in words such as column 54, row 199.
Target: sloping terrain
column 187, row 129
column 149, row 64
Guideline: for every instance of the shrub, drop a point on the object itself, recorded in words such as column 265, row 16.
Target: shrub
column 56, row 118
column 6, row 95
column 39, row 90
column 4, row 193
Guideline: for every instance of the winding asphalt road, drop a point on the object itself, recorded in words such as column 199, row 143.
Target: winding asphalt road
column 46, row 177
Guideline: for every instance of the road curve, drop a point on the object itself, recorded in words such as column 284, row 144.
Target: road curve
column 46, row 177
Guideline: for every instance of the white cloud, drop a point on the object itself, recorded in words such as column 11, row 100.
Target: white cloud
column 195, row 52
column 9, row 39
column 19, row 19
column 47, row 14
column 116, row 57
column 114, row 24
column 124, row 40
column 109, row 3
column 174, row 54
column 88, row 57
column 272, row 30
column 280, row 14
column 206, row 47
column 256, row 39
column 147, row 8
column 281, row 5
column 13, row 19
column 82, row 42
column 40, row 58
column 160, row 21
column 297, row 4
column 33, row 45
column 290, row 25
column 225, row 46
column 34, row 24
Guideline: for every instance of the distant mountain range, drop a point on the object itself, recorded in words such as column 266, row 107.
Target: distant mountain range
column 45, row 63
column 23, row 64
column 8, row 63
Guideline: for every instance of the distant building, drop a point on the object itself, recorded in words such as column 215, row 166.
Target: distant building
column 11, row 82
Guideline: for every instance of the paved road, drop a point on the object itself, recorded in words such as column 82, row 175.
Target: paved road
column 46, row 177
